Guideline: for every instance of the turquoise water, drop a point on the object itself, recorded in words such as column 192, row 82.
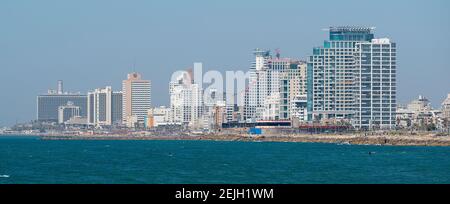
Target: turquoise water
column 30, row 160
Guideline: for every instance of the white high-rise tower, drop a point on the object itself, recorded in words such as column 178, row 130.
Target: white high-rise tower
column 376, row 86
column 104, row 107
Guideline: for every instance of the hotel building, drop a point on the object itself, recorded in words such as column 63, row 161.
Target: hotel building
column 104, row 107
column 136, row 99
column 48, row 104
column 352, row 78
column 186, row 101
column 376, row 86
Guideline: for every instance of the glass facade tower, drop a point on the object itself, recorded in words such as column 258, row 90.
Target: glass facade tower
column 331, row 69
column 47, row 105
column 335, row 78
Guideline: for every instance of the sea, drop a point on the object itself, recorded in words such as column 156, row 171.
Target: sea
column 29, row 160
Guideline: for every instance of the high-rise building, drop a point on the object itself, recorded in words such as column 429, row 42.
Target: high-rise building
column 347, row 72
column 211, row 99
column 186, row 101
column 136, row 99
column 293, row 86
column 446, row 108
column 67, row 112
column 331, row 69
column 271, row 78
column 375, row 84
column 219, row 115
column 104, row 107
column 48, row 104
column 116, row 107
column 257, row 85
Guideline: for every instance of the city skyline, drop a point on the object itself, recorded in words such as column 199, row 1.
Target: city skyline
column 63, row 57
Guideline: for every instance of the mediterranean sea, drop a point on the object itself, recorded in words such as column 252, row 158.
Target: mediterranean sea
column 29, row 160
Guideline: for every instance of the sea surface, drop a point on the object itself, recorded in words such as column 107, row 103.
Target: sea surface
column 30, row 160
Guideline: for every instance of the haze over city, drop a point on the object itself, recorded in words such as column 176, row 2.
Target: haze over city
column 91, row 44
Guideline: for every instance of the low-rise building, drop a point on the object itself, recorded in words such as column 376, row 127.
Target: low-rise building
column 446, row 108
column 158, row 116
column 67, row 111
column 420, row 115
column 271, row 109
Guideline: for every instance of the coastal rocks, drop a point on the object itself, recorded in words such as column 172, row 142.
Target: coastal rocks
column 415, row 140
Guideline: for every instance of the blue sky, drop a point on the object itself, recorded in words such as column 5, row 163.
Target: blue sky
column 93, row 43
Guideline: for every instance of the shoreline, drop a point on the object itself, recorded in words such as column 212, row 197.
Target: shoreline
column 346, row 139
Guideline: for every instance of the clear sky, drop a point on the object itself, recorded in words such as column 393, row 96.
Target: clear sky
column 92, row 43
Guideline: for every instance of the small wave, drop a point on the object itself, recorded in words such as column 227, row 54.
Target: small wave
column 4, row 176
